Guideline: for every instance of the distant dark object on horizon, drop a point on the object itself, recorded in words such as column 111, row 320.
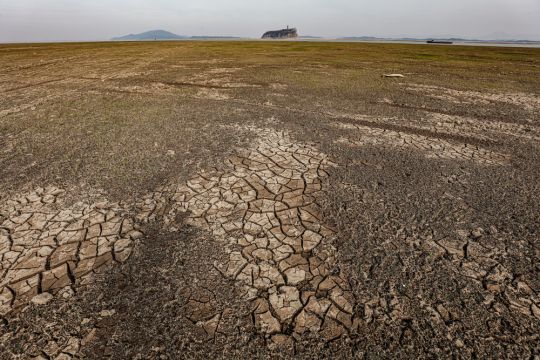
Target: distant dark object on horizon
column 281, row 34
column 440, row 42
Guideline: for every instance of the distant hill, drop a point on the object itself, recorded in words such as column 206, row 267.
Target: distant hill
column 151, row 35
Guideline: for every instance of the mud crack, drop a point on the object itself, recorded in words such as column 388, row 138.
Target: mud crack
column 47, row 247
column 262, row 208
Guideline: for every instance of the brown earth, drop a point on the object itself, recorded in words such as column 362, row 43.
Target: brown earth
column 269, row 200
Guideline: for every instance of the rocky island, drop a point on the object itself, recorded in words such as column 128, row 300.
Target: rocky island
column 281, row 34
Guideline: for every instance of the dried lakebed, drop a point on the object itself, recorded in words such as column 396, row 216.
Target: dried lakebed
column 261, row 209
column 268, row 200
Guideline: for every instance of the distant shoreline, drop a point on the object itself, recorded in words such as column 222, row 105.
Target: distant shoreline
column 529, row 44
column 486, row 43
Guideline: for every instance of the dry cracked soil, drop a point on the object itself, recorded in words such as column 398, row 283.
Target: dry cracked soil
column 171, row 200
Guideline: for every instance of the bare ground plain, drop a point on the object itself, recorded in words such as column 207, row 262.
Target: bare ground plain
column 167, row 200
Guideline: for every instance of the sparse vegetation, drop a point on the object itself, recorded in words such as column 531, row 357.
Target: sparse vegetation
column 269, row 199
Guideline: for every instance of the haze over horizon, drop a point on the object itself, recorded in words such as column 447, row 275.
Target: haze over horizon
column 64, row 20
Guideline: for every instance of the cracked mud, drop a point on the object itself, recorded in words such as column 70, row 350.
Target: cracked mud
column 268, row 200
column 263, row 210
column 45, row 247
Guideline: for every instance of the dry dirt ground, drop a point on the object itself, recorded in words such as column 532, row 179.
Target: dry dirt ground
column 269, row 200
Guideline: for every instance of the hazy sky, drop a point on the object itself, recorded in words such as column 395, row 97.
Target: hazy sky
column 49, row 20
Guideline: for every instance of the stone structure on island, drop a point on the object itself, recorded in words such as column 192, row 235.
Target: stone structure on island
column 287, row 33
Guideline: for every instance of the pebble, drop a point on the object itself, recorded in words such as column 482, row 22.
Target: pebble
column 42, row 299
column 107, row 313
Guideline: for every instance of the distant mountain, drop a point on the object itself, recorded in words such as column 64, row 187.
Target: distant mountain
column 151, row 35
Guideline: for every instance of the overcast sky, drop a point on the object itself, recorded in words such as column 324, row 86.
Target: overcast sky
column 51, row 20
